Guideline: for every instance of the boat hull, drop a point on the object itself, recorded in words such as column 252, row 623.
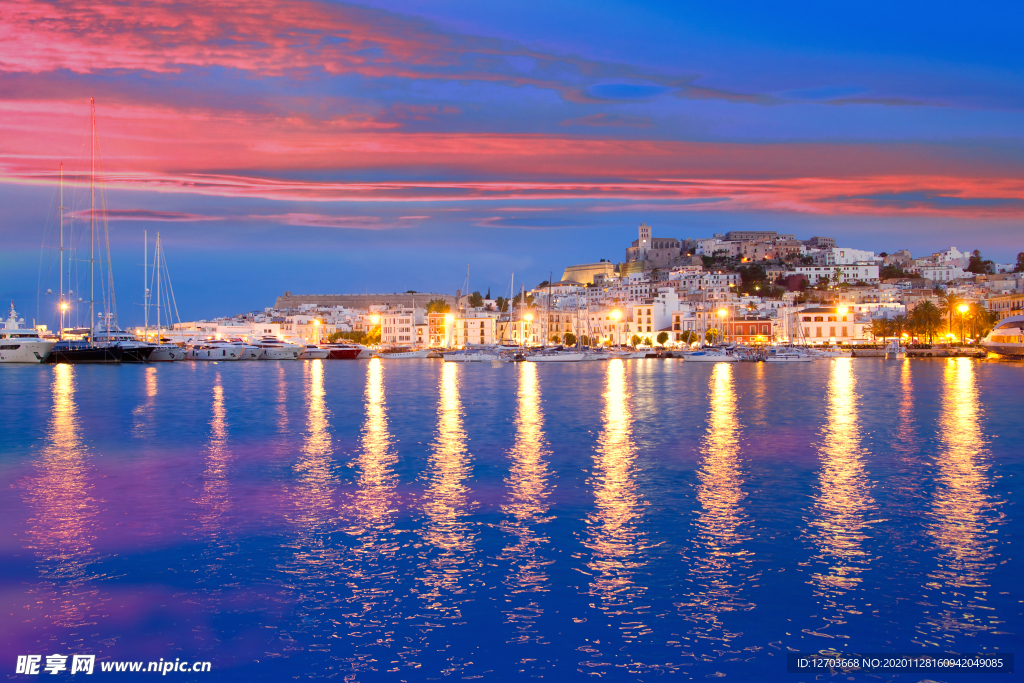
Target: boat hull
column 214, row 354
column 109, row 355
column 167, row 353
column 16, row 351
column 710, row 358
column 343, row 354
column 404, row 355
column 314, row 354
column 136, row 354
column 470, row 358
column 556, row 358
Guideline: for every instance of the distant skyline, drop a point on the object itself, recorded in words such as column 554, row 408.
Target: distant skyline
column 382, row 146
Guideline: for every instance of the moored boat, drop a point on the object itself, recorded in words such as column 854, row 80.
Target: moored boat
column 341, row 351
column 20, row 345
column 469, row 356
column 313, row 352
column 215, row 350
column 709, row 355
column 403, row 353
column 1007, row 338
column 275, row 349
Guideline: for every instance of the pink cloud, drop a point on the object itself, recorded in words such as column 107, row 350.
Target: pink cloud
column 350, row 222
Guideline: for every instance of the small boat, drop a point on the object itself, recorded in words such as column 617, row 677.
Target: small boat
column 401, row 353
column 313, row 352
column 895, row 351
column 341, row 351
column 275, row 349
column 19, row 345
column 469, row 356
column 709, row 355
column 835, row 352
column 214, row 349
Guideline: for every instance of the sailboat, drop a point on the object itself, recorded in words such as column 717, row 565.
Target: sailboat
column 87, row 350
column 154, row 285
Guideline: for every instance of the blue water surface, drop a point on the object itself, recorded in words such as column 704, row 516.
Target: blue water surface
column 418, row 520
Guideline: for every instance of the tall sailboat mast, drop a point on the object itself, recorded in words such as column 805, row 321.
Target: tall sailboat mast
column 145, row 281
column 92, row 217
column 156, row 267
column 60, row 213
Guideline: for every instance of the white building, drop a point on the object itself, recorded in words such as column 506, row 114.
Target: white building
column 852, row 272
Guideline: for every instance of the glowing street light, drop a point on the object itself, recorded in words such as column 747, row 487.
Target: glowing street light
column 963, row 308
column 616, row 316
column 842, row 310
column 449, row 327
column 721, row 314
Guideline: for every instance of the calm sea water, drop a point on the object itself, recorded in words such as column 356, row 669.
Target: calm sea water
column 416, row 520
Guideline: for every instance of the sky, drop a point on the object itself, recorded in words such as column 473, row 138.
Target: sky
column 323, row 147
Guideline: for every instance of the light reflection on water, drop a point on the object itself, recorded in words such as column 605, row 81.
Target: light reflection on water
column 446, row 506
column 215, row 500
column 839, row 522
column 613, row 533
column 61, row 528
column 370, row 570
column 412, row 521
column 526, row 510
column 963, row 515
column 720, row 565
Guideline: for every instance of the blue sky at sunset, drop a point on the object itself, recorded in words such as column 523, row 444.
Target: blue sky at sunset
column 330, row 147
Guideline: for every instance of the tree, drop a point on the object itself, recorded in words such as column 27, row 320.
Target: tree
column 438, row 306
column 982, row 320
column 1020, row 263
column 488, row 295
column 689, row 337
column 570, row 339
column 634, row 340
column 948, row 303
column 880, row 327
column 476, row 300
column 713, row 335
column 647, row 341
column 502, row 304
column 662, row 338
column 556, row 338
column 976, row 264
column 891, row 272
column 926, row 318
column 543, row 285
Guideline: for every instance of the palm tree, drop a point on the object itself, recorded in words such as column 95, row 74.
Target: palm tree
column 880, row 327
column 948, row 303
column 926, row 318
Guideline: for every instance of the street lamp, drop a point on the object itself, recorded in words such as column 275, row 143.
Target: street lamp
column 316, row 330
column 616, row 316
column 528, row 318
column 963, row 308
column 721, row 314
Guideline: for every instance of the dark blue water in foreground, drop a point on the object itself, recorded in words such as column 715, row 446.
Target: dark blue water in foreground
column 415, row 520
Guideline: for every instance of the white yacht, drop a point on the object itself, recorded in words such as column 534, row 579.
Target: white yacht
column 167, row 352
column 19, row 345
column 313, row 352
column 788, row 356
column 275, row 349
column 403, row 353
column 214, row 349
column 247, row 351
column 556, row 357
column 834, row 352
column 1007, row 338
column 710, row 355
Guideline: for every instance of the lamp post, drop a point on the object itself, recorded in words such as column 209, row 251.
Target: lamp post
column 616, row 316
column 722, row 313
column 449, row 329
column 528, row 318
column 963, row 308
column 316, row 330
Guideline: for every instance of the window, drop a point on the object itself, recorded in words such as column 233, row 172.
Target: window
column 818, row 331
column 832, row 331
column 844, row 330
column 807, row 332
